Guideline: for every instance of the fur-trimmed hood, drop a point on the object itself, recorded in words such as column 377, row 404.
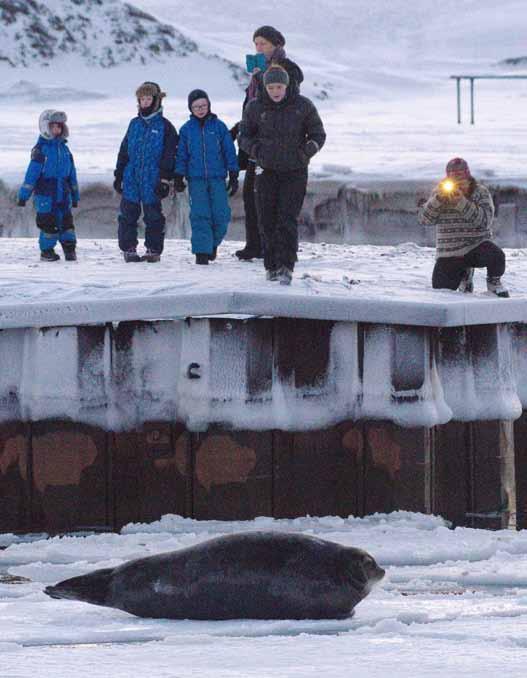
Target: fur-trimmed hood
column 47, row 117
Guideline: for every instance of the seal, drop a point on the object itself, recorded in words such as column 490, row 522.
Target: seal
column 252, row 575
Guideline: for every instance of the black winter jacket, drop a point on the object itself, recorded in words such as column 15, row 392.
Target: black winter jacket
column 275, row 134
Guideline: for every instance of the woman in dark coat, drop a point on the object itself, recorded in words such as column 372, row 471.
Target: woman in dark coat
column 270, row 42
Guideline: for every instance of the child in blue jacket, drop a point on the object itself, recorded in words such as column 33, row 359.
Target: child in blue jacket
column 52, row 179
column 205, row 156
column 145, row 167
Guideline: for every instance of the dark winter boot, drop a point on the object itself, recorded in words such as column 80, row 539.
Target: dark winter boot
column 131, row 256
column 495, row 286
column 271, row 275
column 49, row 255
column 202, row 259
column 248, row 254
column 69, row 251
column 467, row 281
column 212, row 256
column 285, row 276
column 152, row 257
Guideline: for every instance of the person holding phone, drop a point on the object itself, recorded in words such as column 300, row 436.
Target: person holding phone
column 462, row 211
column 269, row 46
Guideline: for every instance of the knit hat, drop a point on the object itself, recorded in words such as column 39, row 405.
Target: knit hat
column 49, row 116
column 151, row 89
column 458, row 168
column 195, row 95
column 270, row 33
column 276, row 75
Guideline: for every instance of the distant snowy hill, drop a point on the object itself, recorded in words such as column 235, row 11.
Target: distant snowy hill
column 360, row 47
column 103, row 32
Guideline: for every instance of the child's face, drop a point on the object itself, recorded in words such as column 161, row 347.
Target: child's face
column 276, row 91
column 200, row 108
column 263, row 46
column 55, row 129
column 146, row 101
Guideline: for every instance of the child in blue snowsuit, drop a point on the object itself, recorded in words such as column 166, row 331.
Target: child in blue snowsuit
column 145, row 167
column 52, row 179
column 205, row 156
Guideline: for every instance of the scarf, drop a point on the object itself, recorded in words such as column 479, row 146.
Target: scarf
column 277, row 55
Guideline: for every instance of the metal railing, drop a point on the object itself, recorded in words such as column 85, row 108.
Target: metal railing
column 458, row 79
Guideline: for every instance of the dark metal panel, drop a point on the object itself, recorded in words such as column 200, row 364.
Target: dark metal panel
column 232, row 474
column 395, row 468
column 234, row 342
column 486, row 506
column 409, row 359
column 318, row 472
column 520, row 444
column 150, row 473
column 14, row 477
column 451, row 472
column 69, row 473
column 302, row 350
column 91, row 374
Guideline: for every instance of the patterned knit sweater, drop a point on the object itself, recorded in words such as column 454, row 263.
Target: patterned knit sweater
column 462, row 227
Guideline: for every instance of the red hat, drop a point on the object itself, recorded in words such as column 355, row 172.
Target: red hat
column 458, row 168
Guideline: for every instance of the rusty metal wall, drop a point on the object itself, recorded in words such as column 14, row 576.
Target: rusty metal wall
column 58, row 476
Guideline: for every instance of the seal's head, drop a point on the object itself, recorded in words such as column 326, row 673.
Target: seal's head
column 363, row 570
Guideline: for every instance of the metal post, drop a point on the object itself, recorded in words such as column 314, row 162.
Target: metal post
column 471, row 101
column 458, row 86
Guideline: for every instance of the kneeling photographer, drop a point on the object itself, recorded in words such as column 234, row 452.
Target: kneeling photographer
column 462, row 210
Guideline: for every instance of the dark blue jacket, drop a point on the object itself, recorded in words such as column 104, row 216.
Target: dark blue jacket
column 205, row 151
column 51, row 176
column 147, row 154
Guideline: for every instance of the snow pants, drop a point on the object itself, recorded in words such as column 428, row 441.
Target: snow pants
column 210, row 213
column 55, row 227
column 279, row 199
column 129, row 213
column 448, row 271
column 252, row 232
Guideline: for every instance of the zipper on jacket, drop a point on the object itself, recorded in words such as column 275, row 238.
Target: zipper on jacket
column 204, row 151
column 141, row 177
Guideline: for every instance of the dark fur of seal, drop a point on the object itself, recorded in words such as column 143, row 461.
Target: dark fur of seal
column 253, row 575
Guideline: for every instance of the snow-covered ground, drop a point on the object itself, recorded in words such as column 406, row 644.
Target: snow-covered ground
column 328, row 278
column 384, row 64
column 453, row 603
column 371, row 272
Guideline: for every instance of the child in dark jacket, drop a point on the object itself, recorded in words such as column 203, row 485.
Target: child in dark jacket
column 145, row 167
column 52, row 179
column 205, row 156
column 281, row 131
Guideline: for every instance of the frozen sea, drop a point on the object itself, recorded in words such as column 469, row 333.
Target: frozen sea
column 453, row 603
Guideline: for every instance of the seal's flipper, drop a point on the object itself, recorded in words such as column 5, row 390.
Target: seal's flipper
column 91, row 588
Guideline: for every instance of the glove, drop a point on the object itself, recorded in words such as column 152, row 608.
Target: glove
column 162, row 189
column 179, row 183
column 21, row 203
column 118, row 184
column 74, row 203
column 311, row 147
column 233, row 184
